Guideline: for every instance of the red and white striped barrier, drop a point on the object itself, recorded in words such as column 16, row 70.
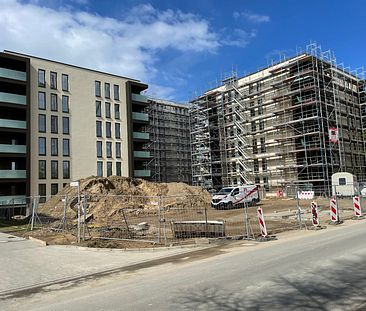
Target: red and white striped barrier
column 357, row 206
column 262, row 223
column 314, row 213
column 305, row 195
column 333, row 209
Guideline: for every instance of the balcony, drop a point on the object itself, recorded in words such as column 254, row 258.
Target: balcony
column 13, row 200
column 7, row 148
column 13, row 174
column 139, row 116
column 141, row 135
column 13, row 74
column 13, row 98
column 13, row 124
column 142, row 154
column 142, row 173
column 139, row 98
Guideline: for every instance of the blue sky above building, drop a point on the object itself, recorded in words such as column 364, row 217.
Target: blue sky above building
column 181, row 48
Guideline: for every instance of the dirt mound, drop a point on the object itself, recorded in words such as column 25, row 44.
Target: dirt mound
column 107, row 199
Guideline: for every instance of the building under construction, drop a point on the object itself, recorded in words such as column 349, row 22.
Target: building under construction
column 295, row 122
column 169, row 142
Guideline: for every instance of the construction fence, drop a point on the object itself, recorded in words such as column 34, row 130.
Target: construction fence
column 168, row 220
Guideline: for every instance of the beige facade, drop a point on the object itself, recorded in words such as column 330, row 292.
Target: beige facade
column 85, row 118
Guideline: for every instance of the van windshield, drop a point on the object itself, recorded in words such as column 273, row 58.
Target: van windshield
column 225, row 190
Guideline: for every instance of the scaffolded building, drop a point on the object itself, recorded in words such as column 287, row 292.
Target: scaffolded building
column 295, row 122
column 169, row 142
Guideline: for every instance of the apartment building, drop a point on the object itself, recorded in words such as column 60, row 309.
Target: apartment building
column 293, row 123
column 60, row 122
column 170, row 142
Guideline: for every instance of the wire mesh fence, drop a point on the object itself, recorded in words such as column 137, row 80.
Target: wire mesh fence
column 167, row 220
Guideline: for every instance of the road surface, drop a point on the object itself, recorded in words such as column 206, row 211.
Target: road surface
column 313, row 270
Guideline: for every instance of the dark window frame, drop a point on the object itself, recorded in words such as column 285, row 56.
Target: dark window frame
column 98, row 88
column 54, row 124
column 54, row 169
column 53, row 83
column 66, row 129
column 67, row 105
column 54, row 146
column 42, row 139
column 65, row 151
column 44, row 107
column 99, row 129
column 65, row 89
column 42, row 84
column 42, row 169
column 42, row 123
column 66, row 176
column 54, row 103
column 107, row 90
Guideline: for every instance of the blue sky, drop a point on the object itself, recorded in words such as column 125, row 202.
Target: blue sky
column 181, row 48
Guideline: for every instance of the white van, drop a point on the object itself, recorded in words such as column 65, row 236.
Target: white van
column 235, row 197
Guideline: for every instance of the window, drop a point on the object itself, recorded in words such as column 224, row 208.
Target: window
column 118, row 150
column 116, row 91
column 42, row 192
column 109, row 149
column 256, row 166
column 66, row 169
column 42, row 123
column 252, row 112
column 117, row 130
column 100, row 168
column 54, row 189
column 42, row 146
column 261, row 125
column 118, row 169
column 265, row 182
column 65, row 82
column 65, row 103
column 42, row 169
column 66, row 147
column 99, row 128
column 54, row 169
column 342, row 181
column 107, row 110
column 54, row 124
column 255, row 148
column 260, row 110
column 54, row 146
column 99, row 149
column 42, row 100
column 263, row 144
column 41, row 78
column 264, row 165
column 53, row 80
column 109, row 169
column 107, row 90
column 254, row 126
column 98, row 108
column 108, row 130
column 65, row 125
column 97, row 88
column 53, row 102
column 116, row 111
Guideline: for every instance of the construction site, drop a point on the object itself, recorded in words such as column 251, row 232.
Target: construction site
column 169, row 142
column 288, row 126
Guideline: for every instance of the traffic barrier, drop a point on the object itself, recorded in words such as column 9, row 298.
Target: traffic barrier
column 306, row 195
column 314, row 213
column 333, row 209
column 357, row 206
column 262, row 223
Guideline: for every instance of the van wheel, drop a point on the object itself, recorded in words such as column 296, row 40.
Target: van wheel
column 229, row 205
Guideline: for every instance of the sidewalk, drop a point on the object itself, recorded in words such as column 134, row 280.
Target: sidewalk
column 28, row 263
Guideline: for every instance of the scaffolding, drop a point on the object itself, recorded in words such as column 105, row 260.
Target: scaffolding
column 169, row 142
column 298, row 121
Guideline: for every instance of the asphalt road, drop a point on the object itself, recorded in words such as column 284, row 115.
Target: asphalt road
column 322, row 270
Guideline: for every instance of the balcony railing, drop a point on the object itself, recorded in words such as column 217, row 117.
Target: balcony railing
column 13, row 74
column 142, row 173
column 13, row 98
column 139, row 116
column 12, row 174
column 141, row 154
column 141, row 135
column 15, row 124
column 139, row 98
column 7, row 148
column 12, row 200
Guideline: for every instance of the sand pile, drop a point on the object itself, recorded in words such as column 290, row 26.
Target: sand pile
column 108, row 197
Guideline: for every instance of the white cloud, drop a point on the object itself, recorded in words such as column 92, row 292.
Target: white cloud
column 252, row 17
column 128, row 46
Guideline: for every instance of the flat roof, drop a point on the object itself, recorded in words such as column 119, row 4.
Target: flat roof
column 167, row 102
column 65, row 64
